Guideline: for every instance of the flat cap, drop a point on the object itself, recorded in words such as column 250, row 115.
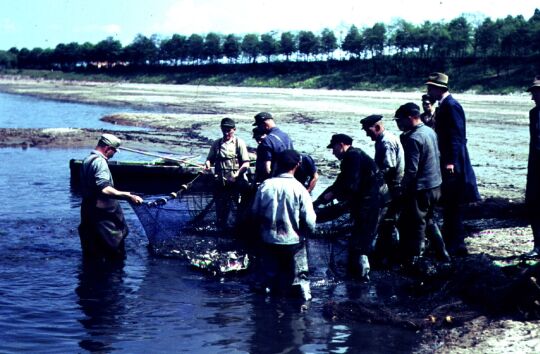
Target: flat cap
column 340, row 138
column 228, row 123
column 370, row 120
column 258, row 132
column 110, row 140
column 428, row 98
column 261, row 117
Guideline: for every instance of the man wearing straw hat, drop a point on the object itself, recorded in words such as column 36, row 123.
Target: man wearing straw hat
column 103, row 228
column 459, row 181
column 532, row 193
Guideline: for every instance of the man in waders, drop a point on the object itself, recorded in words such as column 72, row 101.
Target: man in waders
column 103, row 228
column 361, row 187
column 421, row 187
column 390, row 160
column 284, row 212
column 229, row 156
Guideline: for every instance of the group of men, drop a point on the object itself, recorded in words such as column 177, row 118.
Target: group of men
column 391, row 198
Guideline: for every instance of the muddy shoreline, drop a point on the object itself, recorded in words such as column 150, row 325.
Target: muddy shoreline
column 450, row 321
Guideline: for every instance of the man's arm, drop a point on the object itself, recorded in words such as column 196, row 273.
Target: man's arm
column 313, row 182
column 456, row 133
column 112, row 192
column 308, row 217
column 412, row 159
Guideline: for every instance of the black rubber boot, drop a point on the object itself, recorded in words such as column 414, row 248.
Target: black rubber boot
column 435, row 238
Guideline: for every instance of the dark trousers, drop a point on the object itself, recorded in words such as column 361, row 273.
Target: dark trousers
column 388, row 235
column 283, row 266
column 453, row 230
column 417, row 214
column 532, row 209
column 365, row 226
column 102, row 231
column 230, row 198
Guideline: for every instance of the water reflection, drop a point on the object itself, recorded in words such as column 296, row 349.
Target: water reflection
column 280, row 325
column 101, row 297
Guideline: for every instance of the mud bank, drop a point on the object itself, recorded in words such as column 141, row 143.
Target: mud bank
column 184, row 119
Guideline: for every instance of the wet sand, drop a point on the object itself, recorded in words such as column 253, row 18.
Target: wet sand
column 185, row 119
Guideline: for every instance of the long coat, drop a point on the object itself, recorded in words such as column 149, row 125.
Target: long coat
column 532, row 194
column 451, row 131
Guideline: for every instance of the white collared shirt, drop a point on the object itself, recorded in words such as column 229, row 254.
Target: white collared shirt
column 285, row 210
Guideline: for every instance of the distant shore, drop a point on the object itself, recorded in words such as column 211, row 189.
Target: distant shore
column 469, row 80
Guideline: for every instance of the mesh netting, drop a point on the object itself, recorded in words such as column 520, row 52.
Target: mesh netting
column 191, row 215
column 187, row 225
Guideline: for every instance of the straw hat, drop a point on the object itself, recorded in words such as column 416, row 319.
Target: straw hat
column 535, row 84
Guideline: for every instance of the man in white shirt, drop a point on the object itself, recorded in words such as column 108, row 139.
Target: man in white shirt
column 284, row 210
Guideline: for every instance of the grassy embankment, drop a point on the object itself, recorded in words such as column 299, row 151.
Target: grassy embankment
column 470, row 75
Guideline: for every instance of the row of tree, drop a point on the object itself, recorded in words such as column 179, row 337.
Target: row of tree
column 459, row 38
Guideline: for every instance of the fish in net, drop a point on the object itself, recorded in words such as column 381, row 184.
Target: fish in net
column 184, row 226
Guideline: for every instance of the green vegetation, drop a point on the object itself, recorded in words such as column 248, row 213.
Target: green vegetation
column 498, row 56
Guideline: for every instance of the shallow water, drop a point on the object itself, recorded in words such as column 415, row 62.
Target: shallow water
column 18, row 111
column 51, row 302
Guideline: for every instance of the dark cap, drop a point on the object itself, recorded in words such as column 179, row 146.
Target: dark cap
column 287, row 159
column 428, row 98
column 257, row 132
column 228, row 123
column 409, row 109
column 261, row 117
column 535, row 85
column 437, row 79
column 340, row 138
column 370, row 120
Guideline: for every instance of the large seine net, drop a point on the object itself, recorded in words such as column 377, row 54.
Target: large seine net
column 188, row 224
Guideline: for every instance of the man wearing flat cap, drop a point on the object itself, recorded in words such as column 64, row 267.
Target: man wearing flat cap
column 275, row 141
column 389, row 158
column 361, row 186
column 420, row 186
column 459, row 181
column 103, row 228
column 532, row 192
column 230, row 158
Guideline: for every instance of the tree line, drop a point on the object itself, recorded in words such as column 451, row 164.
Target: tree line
column 511, row 37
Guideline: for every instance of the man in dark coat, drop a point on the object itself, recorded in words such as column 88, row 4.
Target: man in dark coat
column 532, row 193
column 275, row 142
column 361, row 185
column 459, row 181
column 307, row 172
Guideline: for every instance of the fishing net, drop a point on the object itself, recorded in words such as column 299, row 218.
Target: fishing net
column 186, row 227
column 182, row 216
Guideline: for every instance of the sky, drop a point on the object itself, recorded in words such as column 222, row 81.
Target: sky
column 46, row 23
